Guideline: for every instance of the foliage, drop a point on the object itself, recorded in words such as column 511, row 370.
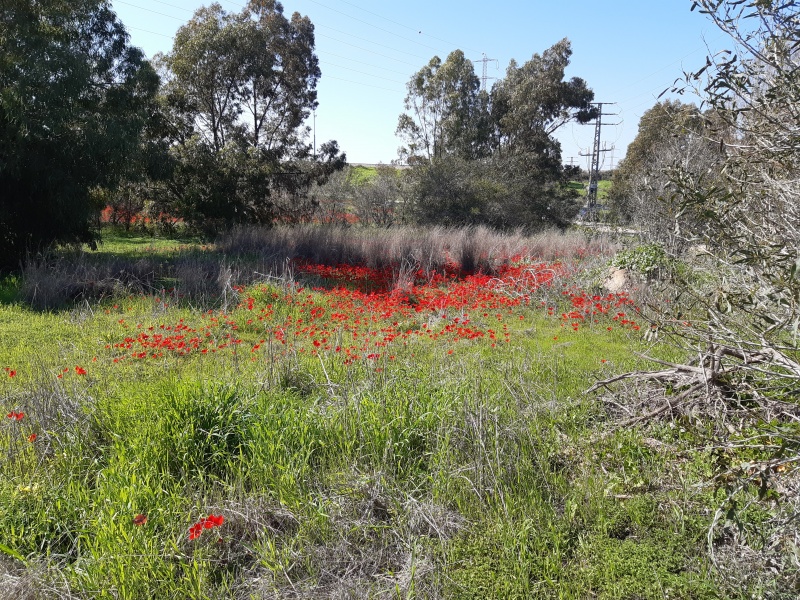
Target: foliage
column 646, row 259
column 491, row 158
column 74, row 100
column 379, row 200
column 502, row 192
column 448, row 112
column 534, row 100
column 737, row 316
column 238, row 90
column 205, row 433
column 671, row 135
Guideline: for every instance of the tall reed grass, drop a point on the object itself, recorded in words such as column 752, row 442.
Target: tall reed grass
column 249, row 254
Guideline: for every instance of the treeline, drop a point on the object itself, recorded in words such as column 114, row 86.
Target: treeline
column 213, row 133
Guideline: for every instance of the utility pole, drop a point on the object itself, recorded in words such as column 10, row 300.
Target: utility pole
column 485, row 62
column 594, row 171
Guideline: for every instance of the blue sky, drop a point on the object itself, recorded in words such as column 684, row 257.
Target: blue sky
column 628, row 51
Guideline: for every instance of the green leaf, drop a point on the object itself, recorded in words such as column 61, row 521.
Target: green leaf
column 13, row 554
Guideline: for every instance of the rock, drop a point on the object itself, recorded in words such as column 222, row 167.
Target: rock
column 617, row 280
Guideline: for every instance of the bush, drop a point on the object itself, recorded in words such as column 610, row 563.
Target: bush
column 648, row 259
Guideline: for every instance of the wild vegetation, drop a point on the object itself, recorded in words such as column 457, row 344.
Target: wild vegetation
column 336, row 409
column 490, row 157
column 409, row 428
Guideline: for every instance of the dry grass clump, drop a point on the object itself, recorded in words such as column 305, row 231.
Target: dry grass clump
column 430, row 249
column 370, row 546
column 48, row 283
column 250, row 254
column 30, row 582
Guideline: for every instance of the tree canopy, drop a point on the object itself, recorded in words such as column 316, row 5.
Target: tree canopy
column 74, row 99
column 672, row 134
column 238, row 90
column 490, row 157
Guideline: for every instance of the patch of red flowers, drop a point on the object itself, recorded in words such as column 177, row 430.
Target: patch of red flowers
column 205, row 523
column 16, row 416
column 361, row 311
column 11, row 372
column 80, row 370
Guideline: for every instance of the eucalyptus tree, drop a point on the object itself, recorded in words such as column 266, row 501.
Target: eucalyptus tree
column 239, row 88
column 446, row 110
column 74, row 100
column 534, row 100
column 491, row 157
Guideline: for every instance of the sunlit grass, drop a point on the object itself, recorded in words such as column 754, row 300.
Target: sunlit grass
column 400, row 457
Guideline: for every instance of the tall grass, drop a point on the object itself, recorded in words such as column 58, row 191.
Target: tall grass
column 204, row 275
column 473, row 248
column 435, row 468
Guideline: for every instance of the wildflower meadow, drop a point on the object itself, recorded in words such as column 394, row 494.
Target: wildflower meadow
column 341, row 429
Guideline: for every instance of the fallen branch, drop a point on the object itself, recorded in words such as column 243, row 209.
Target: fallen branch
column 670, row 404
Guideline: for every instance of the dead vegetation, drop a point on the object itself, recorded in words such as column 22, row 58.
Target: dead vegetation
column 250, row 254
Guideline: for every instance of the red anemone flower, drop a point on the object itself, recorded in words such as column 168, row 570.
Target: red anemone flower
column 206, row 523
column 32, row 437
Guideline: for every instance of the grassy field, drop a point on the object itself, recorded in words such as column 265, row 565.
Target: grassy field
column 338, row 431
column 603, row 187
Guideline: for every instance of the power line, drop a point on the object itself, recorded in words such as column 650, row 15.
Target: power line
column 365, row 49
column 151, row 32
column 371, row 25
column 371, row 42
column 184, row 21
column 172, row 5
column 316, row 25
column 362, row 72
column 150, row 10
column 377, row 87
column 361, row 62
column 324, row 56
column 407, row 26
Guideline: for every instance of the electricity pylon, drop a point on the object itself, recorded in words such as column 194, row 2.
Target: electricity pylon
column 485, row 62
column 594, row 171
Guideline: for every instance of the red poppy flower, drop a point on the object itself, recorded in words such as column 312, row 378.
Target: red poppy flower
column 16, row 416
column 139, row 520
column 32, row 437
column 12, row 373
column 80, row 370
column 216, row 520
column 205, row 523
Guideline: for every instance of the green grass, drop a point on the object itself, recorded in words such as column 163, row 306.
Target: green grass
column 360, row 175
column 476, row 474
column 603, row 188
column 118, row 243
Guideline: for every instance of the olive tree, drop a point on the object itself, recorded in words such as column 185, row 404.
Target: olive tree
column 740, row 308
